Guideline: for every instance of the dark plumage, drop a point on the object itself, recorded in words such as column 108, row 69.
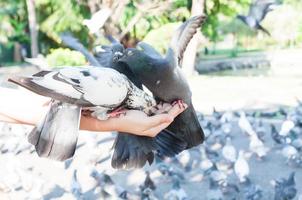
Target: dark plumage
column 257, row 12
column 285, row 188
column 131, row 151
column 163, row 77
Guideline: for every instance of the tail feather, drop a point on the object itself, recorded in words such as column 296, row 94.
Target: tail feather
column 56, row 137
column 168, row 144
column 28, row 83
column 132, row 151
column 187, row 127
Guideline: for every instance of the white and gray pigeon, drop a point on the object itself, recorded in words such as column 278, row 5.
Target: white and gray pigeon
column 99, row 90
column 164, row 78
column 130, row 151
column 229, row 152
column 241, row 167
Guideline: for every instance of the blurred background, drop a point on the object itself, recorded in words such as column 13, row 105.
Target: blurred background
column 244, row 67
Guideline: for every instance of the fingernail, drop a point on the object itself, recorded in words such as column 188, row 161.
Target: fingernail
column 185, row 106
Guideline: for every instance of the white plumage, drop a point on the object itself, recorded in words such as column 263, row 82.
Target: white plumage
column 99, row 89
column 241, row 167
column 229, row 151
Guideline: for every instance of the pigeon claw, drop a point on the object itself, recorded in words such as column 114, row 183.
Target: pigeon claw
column 180, row 103
column 117, row 112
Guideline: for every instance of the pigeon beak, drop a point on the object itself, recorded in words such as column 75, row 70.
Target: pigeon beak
column 117, row 55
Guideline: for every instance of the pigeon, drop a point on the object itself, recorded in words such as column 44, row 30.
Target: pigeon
column 148, row 183
column 148, row 194
column 229, row 190
column 286, row 127
column 275, row 135
column 214, row 192
column 105, row 182
column 130, row 151
column 257, row 12
column 97, row 20
column 241, row 167
column 245, row 125
column 75, row 186
column 74, row 89
column 285, row 188
column 251, row 191
column 163, row 77
column 229, row 151
column 177, row 192
column 257, row 146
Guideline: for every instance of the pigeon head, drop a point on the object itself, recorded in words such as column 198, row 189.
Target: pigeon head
column 117, row 51
column 139, row 62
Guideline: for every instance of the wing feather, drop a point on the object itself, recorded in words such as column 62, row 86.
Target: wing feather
column 78, row 85
column 182, row 37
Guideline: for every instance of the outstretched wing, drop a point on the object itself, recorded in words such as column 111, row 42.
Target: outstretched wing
column 77, row 85
column 73, row 43
column 182, row 37
column 259, row 9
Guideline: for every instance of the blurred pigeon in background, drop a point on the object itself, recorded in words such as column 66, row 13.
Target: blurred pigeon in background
column 97, row 20
column 241, row 167
column 285, row 188
column 257, row 12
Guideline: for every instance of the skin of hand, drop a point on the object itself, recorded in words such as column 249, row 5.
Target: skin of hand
column 135, row 122
column 28, row 108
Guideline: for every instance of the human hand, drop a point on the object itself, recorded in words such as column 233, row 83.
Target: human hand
column 136, row 122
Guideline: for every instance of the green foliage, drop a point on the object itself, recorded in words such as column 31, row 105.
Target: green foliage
column 160, row 37
column 56, row 16
column 65, row 57
column 219, row 13
column 13, row 27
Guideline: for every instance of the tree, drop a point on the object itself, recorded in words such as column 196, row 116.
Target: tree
column 32, row 22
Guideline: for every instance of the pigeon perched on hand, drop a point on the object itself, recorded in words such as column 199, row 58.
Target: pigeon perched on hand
column 163, row 77
column 73, row 89
column 130, row 151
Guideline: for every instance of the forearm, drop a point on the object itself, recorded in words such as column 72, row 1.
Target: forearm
column 21, row 107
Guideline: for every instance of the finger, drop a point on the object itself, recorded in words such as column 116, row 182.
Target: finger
column 176, row 110
column 156, row 120
column 152, row 132
column 164, row 108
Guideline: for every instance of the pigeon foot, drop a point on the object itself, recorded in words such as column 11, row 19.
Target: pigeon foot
column 181, row 104
column 117, row 112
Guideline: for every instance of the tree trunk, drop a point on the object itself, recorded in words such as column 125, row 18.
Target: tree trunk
column 32, row 28
column 188, row 62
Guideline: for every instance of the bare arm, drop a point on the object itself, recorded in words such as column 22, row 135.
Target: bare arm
column 20, row 106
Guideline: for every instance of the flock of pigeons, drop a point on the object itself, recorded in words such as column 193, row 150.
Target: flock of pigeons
column 246, row 155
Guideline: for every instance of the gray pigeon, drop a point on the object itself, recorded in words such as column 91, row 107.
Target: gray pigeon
column 251, row 191
column 130, row 151
column 73, row 89
column 285, row 188
column 257, row 12
column 163, row 77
